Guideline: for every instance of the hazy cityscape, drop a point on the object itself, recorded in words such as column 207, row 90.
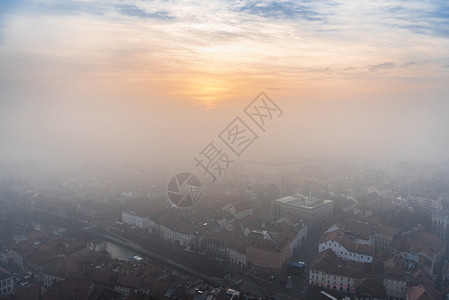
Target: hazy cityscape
column 224, row 150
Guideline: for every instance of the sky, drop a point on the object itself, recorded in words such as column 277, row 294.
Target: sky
column 157, row 80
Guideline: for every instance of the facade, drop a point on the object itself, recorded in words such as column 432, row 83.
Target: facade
column 6, row 282
column 226, row 246
column 182, row 238
column 331, row 272
column 440, row 222
column 312, row 210
column 382, row 238
column 135, row 219
column 50, row 279
column 427, row 201
column 395, row 287
column 268, row 254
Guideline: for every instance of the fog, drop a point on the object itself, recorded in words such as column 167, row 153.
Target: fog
column 70, row 130
column 215, row 149
column 122, row 86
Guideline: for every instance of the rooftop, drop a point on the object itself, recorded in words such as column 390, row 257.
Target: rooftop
column 4, row 274
column 328, row 262
column 306, row 202
column 346, row 241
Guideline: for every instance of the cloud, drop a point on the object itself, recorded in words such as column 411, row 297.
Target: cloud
column 260, row 41
column 134, row 11
column 428, row 18
column 382, row 66
column 280, row 10
column 410, row 63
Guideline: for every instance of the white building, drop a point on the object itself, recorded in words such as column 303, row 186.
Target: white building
column 346, row 248
column 51, row 279
column 432, row 202
column 236, row 257
column 176, row 237
column 6, row 282
column 136, row 219
column 330, row 272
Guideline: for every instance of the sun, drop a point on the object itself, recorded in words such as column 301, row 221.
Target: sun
column 208, row 92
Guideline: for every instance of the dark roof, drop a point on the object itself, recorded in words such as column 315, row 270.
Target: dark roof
column 24, row 292
column 371, row 287
column 327, row 261
column 4, row 274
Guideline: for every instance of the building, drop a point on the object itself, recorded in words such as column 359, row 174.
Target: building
column 345, row 247
column 331, row 272
column 422, row 293
column 183, row 231
column 312, row 210
column 296, row 228
column 418, row 249
column 6, row 282
column 226, row 245
column 382, row 238
column 370, row 288
column 138, row 219
column 239, row 208
column 394, row 280
column 268, row 253
column 426, row 200
column 440, row 222
column 367, row 232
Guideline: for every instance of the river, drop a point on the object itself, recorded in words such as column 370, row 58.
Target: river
column 115, row 251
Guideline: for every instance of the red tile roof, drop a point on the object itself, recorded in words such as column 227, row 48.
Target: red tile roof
column 328, row 262
column 350, row 245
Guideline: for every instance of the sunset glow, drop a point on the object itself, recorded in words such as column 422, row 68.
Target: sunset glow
column 219, row 48
column 208, row 57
